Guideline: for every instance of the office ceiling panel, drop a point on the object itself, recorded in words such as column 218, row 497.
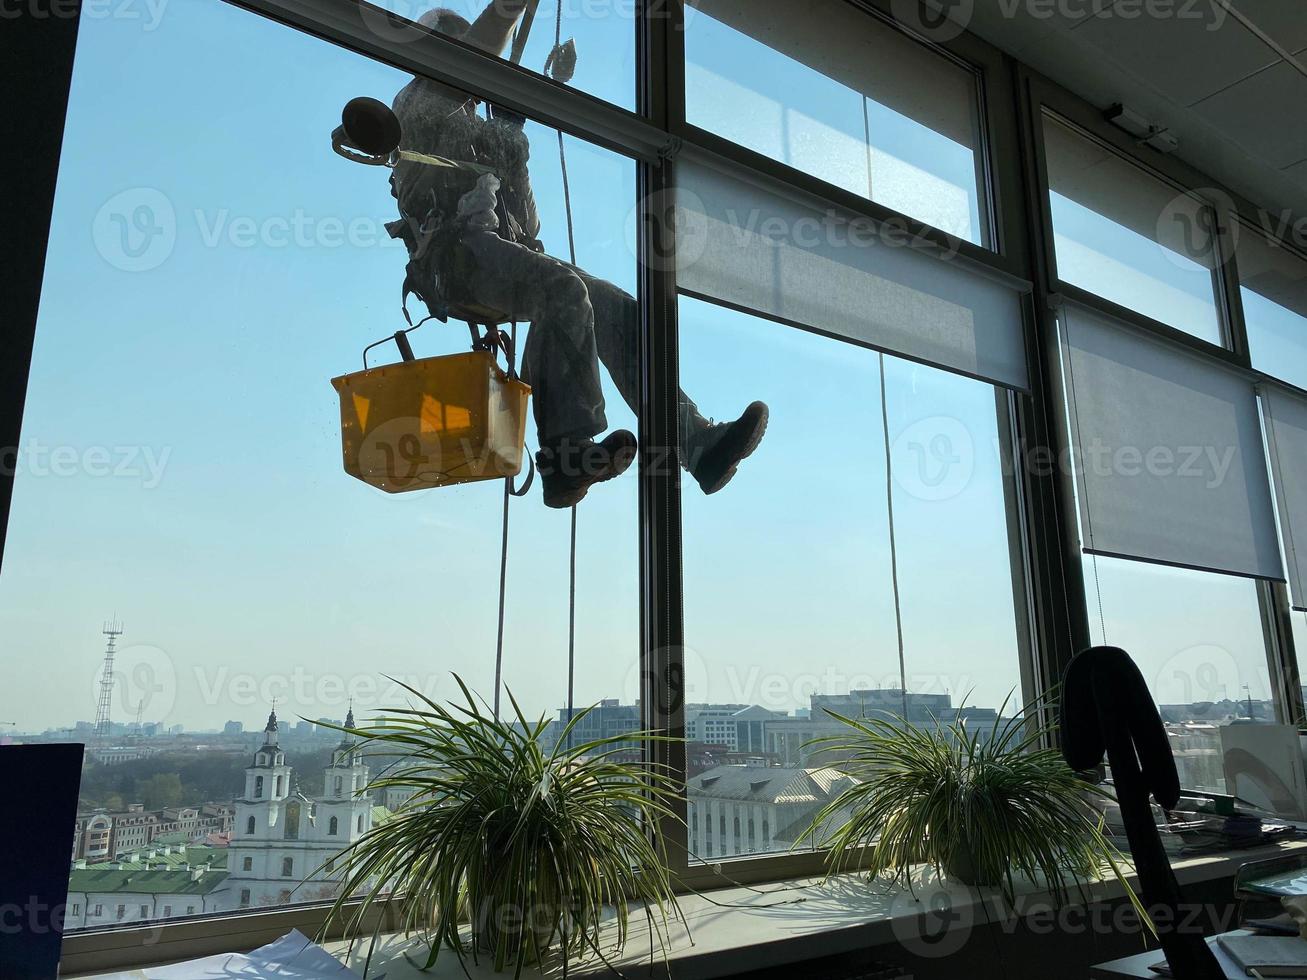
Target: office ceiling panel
column 1229, row 84
column 1242, row 112
column 1198, row 51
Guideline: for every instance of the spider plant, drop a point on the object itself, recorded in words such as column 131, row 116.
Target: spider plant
column 982, row 806
column 509, row 848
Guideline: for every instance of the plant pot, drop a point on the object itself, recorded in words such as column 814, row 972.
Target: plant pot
column 960, row 866
column 494, row 922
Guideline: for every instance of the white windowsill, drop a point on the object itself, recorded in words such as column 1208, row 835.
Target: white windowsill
column 843, row 914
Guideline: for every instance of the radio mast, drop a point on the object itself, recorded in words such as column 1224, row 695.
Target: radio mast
column 112, row 630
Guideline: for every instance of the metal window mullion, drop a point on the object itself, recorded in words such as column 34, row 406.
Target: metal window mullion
column 1058, row 588
column 1226, row 282
column 1281, row 657
column 662, row 662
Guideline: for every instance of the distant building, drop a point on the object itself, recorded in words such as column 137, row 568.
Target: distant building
column 118, row 754
column 102, row 835
column 111, row 896
column 608, row 719
column 233, row 728
column 735, row 727
column 741, row 810
column 282, row 838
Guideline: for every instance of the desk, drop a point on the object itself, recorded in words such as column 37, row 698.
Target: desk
column 1138, row 966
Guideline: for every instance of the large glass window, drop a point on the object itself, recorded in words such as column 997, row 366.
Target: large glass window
column 1128, row 237
column 798, row 572
column 212, row 266
column 1198, row 640
column 828, row 89
column 1273, row 287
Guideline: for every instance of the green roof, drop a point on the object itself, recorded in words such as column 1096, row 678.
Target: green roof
column 176, row 837
column 145, row 882
column 380, row 815
column 194, row 855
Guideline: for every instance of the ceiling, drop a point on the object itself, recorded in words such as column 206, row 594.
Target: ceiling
column 1228, row 78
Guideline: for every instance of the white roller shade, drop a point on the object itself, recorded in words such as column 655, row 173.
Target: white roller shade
column 1286, row 437
column 851, row 47
column 1168, row 451
column 775, row 252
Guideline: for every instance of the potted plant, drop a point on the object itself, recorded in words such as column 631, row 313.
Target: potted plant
column 980, row 806
column 509, row 847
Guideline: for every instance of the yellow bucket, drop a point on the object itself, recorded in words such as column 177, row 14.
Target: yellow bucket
column 433, row 422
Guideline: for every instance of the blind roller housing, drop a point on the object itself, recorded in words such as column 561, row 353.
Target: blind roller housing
column 777, row 253
column 1286, row 438
column 1168, row 451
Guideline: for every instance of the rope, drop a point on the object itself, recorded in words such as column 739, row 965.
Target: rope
column 519, row 43
column 503, row 544
column 1083, row 487
column 571, row 251
column 893, row 547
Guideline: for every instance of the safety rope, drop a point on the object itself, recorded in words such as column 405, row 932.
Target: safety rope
column 893, row 548
column 571, row 251
column 518, row 46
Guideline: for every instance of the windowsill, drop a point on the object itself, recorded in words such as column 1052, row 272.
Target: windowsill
column 841, row 915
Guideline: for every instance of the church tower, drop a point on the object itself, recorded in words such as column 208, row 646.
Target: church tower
column 259, row 824
column 343, row 813
column 267, row 785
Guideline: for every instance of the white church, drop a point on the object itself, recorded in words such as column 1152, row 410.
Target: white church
column 283, row 843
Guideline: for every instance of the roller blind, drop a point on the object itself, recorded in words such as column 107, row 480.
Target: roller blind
column 776, row 252
column 852, row 47
column 1100, row 180
column 1286, row 439
column 1168, row 450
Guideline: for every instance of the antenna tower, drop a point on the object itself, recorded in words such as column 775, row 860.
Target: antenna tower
column 112, row 630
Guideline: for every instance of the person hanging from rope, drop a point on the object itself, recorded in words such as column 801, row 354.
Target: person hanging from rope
column 472, row 232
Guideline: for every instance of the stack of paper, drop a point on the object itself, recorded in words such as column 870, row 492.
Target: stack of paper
column 292, row 957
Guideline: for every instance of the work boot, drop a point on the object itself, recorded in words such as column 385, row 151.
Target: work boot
column 714, row 452
column 569, row 469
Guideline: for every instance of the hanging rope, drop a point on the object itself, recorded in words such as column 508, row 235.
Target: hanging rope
column 893, row 548
column 554, row 63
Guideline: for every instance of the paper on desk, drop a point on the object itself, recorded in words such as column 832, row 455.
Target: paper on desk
column 292, row 957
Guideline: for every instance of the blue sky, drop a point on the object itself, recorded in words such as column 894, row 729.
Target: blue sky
column 253, row 567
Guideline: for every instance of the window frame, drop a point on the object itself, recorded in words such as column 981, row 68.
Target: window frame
column 1041, row 96
column 1044, row 549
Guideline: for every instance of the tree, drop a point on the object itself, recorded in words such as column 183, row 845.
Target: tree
column 160, row 790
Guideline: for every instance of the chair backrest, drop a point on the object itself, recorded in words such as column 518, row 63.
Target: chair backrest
column 1106, row 707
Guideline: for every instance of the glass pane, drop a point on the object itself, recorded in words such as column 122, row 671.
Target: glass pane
column 181, row 461
column 602, row 37
column 1273, row 287
column 1128, row 237
column 1197, row 638
column 803, row 532
column 830, row 90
